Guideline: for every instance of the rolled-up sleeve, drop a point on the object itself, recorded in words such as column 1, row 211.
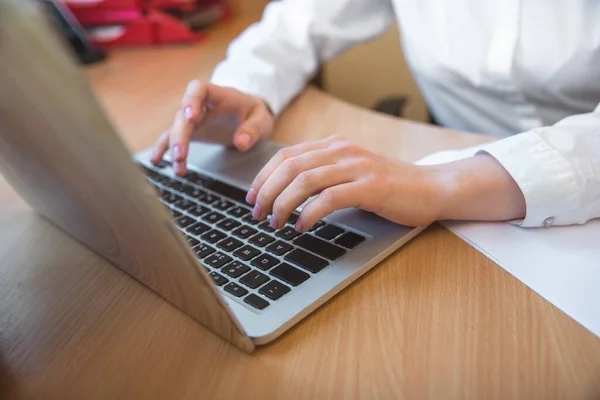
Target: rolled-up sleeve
column 274, row 58
column 557, row 168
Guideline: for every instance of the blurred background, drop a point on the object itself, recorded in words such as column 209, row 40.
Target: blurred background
column 373, row 75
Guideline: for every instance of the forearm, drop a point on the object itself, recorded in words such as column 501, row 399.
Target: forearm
column 477, row 188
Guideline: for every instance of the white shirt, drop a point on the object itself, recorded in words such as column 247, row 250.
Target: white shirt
column 528, row 69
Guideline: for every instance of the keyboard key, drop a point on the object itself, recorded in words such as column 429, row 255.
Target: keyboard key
column 217, row 260
column 163, row 180
column 196, row 178
column 229, row 244
column 287, row 233
column 261, row 239
column 266, row 226
column 218, row 279
column 246, row 253
column 175, row 213
column 170, row 197
column 254, row 279
column 222, row 205
column 350, row 240
column 320, row 247
column 203, row 250
column 184, row 221
column 198, row 229
column 238, row 211
column 274, row 290
column 235, row 269
column 256, row 301
column 329, row 231
column 235, row 289
column 213, row 217
column 250, row 220
column 198, row 210
column 208, row 198
column 162, row 164
column 308, row 261
column 228, row 224
column 184, row 204
column 191, row 240
column 173, row 185
column 279, row 248
column 317, row 225
column 149, row 172
column 289, row 274
column 244, row 232
column 265, row 262
column 226, row 190
column 293, row 218
column 213, row 236
column 193, row 192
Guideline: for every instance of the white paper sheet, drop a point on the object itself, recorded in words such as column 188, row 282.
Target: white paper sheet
column 562, row 264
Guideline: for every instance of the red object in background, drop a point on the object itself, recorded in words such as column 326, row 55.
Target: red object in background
column 137, row 22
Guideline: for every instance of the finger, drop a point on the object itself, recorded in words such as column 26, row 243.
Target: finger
column 258, row 125
column 179, row 140
column 277, row 159
column 329, row 200
column 196, row 98
column 161, row 146
column 306, row 185
column 289, row 170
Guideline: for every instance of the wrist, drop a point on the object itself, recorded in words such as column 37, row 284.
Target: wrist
column 476, row 188
column 443, row 185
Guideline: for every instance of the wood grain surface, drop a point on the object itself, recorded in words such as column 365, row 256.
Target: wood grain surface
column 436, row 320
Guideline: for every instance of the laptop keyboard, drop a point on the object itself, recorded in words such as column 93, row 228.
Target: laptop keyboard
column 247, row 259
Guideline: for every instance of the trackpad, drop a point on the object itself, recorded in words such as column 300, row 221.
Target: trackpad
column 231, row 163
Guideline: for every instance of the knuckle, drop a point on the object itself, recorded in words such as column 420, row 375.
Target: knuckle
column 279, row 207
column 283, row 154
column 262, row 198
column 329, row 196
column 336, row 138
column 193, row 85
column 306, row 179
column 290, row 167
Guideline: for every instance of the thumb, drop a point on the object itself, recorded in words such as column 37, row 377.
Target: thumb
column 258, row 125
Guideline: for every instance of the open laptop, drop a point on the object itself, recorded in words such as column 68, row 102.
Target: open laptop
column 191, row 240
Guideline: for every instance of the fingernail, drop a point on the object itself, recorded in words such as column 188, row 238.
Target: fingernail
column 188, row 113
column 299, row 227
column 179, row 167
column 274, row 224
column 177, row 152
column 256, row 213
column 243, row 140
column 251, row 196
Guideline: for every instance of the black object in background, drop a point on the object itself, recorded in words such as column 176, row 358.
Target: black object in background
column 86, row 51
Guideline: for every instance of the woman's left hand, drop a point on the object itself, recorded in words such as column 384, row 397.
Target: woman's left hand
column 342, row 175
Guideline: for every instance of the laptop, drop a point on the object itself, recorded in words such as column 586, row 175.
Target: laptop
column 191, row 240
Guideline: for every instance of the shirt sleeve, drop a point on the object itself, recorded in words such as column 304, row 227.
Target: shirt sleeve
column 274, row 58
column 557, row 168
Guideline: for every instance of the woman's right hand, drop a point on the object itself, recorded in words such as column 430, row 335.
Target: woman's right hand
column 247, row 117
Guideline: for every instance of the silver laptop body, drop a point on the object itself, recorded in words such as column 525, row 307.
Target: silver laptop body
column 63, row 156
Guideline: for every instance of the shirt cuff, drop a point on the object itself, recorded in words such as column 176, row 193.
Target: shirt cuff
column 547, row 180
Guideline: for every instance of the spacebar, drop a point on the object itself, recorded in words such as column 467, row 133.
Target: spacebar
column 226, row 190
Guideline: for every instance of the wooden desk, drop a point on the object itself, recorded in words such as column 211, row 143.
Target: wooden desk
column 435, row 320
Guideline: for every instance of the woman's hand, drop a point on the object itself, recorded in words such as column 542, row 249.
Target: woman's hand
column 343, row 175
column 244, row 119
